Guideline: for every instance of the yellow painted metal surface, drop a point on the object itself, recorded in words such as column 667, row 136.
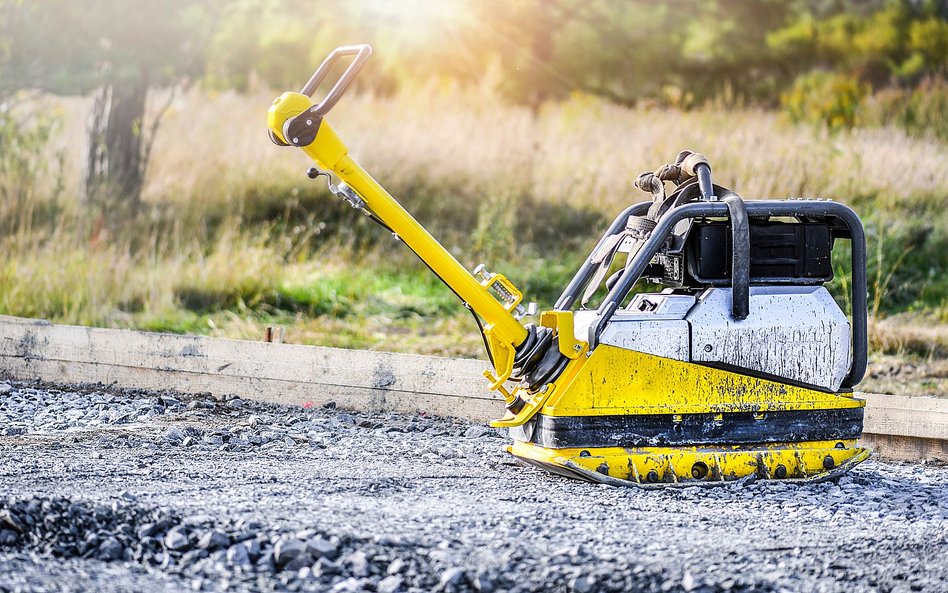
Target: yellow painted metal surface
column 680, row 465
column 562, row 322
column 614, row 381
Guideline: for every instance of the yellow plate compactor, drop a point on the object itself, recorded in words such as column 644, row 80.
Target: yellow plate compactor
column 741, row 368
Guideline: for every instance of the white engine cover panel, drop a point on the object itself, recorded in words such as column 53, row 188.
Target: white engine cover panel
column 654, row 324
column 794, row 332
column 668, row 339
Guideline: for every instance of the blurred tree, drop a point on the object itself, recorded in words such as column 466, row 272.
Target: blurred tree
column 116, row 49
column 898, row 41
column 624, row 50
column 679, row 52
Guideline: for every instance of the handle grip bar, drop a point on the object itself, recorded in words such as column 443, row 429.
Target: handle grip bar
column 361, row 53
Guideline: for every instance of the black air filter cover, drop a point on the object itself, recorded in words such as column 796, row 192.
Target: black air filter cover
column 780, row 253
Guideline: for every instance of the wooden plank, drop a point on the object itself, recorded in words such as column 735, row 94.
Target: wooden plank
column 241, row 358
column 922, row 417
column 900, row 427
column 905, row 427
column 905, row 448
column 285, row 373
column 287, row 392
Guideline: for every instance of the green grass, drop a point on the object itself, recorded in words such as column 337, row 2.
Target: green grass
column 343, row 293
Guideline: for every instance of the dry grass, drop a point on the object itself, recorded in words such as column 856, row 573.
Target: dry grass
column 910, row 334
column 901, row 376
column 583, row 152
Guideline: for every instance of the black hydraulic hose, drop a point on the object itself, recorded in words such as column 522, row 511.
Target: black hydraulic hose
column 542, row 368
column 533, row 350
column 546, row 349
column 480, row 328
column 477, row 320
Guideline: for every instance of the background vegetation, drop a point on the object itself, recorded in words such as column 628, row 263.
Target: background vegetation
column 138, row 189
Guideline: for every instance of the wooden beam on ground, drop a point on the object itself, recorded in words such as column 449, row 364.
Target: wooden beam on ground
column 905, row 427
column 911, row 428
column 270, row 372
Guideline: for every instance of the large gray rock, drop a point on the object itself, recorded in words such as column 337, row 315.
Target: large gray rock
column 358, row 563
column 451, row 578
column 110, row 549
column 213, row 539
column 390, row 584
column 321, row 547
column 177, row 539
column 174, row 436
column 285, row 551
column 237, row 556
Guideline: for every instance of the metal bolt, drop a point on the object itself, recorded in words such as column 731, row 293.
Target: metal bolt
column 829, row 462
column 309, row 122
column 296, row 140
column 780, row 472
column 699, row 470
column 707, row 348
column 584, row 453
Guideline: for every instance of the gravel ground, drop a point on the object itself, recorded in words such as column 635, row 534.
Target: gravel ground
column 116, row 490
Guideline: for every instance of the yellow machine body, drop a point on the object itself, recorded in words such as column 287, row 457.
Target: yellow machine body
column 608, row 385
column 614, row 382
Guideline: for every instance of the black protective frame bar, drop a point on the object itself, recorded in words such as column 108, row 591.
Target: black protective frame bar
column 800, row 209
column 586, row 271
column 301, row 130
column 740, row 257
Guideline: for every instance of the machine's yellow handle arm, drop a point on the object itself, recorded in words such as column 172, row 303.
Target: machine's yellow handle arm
column 295, row 120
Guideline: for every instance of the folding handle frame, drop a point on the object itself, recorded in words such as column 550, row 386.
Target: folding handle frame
column 361, row 52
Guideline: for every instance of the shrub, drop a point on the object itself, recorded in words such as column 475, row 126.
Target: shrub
column 827, row 98
column 919, row 111
column 24, row 170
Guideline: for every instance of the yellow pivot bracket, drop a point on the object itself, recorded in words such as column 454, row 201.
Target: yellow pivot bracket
column 562, row 322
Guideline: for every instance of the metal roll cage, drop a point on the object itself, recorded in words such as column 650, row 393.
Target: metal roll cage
column 845, row 224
